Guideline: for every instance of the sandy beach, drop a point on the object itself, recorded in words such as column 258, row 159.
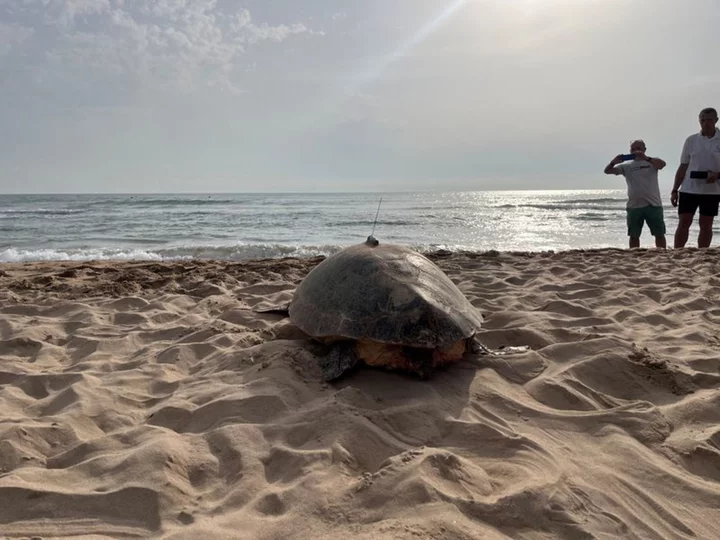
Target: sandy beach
column 145, row 399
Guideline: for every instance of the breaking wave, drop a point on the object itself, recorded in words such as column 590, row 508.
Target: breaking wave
column 236, row 252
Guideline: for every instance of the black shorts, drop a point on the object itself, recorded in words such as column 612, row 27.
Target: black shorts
column 688, row 203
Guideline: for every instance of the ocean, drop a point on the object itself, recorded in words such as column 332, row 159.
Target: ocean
column 244, row 226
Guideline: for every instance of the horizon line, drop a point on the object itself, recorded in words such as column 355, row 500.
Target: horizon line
column 302, row 192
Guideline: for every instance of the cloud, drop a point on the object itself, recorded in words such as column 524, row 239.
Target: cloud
column 64, row 13
column 249, row 32
column 184, row 44
column 12, row 35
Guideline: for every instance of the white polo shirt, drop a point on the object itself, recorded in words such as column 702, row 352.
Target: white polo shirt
column 701, row 154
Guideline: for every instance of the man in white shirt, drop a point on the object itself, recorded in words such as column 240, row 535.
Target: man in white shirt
column 700, row 154
column 644, row 203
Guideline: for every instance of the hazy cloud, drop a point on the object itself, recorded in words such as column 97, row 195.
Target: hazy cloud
column 231, row 95
column 188, row 43
column 12, row 35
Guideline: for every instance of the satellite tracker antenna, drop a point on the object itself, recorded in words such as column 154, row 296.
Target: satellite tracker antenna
column 371, row 240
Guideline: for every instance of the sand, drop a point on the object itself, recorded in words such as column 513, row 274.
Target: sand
column 144, row 399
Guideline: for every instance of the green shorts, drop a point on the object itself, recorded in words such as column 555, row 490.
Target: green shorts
column 652, row 215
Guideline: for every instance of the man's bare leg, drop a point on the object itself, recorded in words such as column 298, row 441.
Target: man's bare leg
column 634, row 242
column 660, row 241
column 683, row 229
column 706, row 232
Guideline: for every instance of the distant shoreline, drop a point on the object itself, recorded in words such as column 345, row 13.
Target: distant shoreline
column 620, row 187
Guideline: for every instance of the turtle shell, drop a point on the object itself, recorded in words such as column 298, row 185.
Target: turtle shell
column 385, row 293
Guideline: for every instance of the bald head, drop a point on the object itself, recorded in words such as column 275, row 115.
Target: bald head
column 638, row 145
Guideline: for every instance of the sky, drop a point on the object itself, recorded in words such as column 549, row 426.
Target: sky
column 133, row 96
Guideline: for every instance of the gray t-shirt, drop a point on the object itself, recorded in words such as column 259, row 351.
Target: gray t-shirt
column 642, row 183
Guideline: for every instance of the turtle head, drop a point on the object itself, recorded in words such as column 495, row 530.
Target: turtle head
column 371, row 241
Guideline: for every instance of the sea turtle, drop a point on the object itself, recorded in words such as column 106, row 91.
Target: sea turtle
column 386, row 305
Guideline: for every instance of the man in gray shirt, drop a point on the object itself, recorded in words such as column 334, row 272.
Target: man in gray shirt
column 644, row 202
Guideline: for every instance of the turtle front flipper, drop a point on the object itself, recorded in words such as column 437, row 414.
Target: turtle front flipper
column 341, row 358
column 281, row 309
column 477, row 347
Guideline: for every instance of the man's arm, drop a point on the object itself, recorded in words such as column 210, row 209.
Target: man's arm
column 610, row 168
column 679, row 176
column 684, row 164
column 657, row 163
column 681, row 171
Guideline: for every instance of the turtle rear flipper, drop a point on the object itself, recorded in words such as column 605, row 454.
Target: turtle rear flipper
column 341, row 358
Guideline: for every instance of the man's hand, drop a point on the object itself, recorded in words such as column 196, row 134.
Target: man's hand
column 610, row 168
column 712, row 177
column 674, row 197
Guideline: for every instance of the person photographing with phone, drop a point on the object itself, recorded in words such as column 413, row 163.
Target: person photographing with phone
column 644, row 201
column 696, row 181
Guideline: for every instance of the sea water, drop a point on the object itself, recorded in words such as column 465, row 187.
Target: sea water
column 243, row 226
